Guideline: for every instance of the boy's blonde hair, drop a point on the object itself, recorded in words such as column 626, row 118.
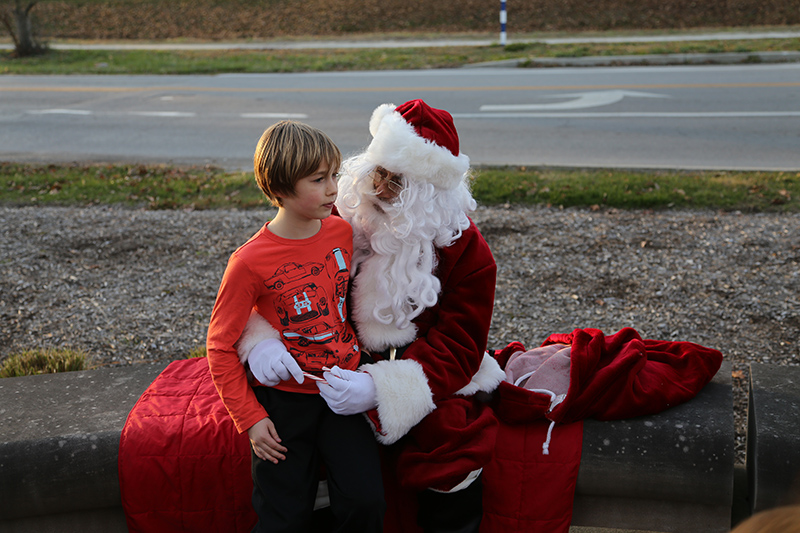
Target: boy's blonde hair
column 287, row 152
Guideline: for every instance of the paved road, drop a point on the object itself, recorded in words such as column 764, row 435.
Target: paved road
column 710, row 117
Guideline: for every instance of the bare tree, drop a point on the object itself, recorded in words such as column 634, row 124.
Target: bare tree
column 17, row 20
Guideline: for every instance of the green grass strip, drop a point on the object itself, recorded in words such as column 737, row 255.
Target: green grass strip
column 624, row 189
column 144, row 186
column 167, row 187
column 323, row 60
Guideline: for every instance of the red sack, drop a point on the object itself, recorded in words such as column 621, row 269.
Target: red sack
column 530, row 483
column 182, row 464
column 613, row 377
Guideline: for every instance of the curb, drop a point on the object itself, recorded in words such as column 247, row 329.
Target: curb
column 725, row 58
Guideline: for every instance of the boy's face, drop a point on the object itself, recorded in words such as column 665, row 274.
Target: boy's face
column 313, row 195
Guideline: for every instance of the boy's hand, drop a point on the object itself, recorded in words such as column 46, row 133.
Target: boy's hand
column 265, row 441
column 270, row 363
column 347, row 392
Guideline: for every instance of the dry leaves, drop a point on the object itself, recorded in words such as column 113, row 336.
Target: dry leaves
column 260, row 19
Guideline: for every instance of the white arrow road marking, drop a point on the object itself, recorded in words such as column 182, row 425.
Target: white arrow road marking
column 699, row 114
column 59, row 112
column 582, row 100
column 274, row 115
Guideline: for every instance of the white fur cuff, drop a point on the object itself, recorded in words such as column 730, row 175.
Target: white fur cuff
column 486, row 379
column 256, row 330
column 404, row 397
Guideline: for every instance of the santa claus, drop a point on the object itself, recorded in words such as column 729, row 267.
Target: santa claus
column 421, row 300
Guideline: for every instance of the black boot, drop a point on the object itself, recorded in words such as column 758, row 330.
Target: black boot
column 451, row 512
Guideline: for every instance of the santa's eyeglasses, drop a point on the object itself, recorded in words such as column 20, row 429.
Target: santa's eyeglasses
column 381, row 176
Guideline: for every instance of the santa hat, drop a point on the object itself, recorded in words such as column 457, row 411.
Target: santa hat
column 419, row 142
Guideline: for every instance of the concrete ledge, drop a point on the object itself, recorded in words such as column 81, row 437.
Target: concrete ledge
column 773, row 436
column 111, row 520
column 673, row 471
column 60, row 440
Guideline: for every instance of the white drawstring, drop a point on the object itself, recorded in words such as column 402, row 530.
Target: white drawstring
column 546, row 445
column 523, row 377
column 554, row 401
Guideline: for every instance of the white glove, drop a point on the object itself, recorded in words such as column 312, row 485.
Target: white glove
column 347, row 392
column 270, row 363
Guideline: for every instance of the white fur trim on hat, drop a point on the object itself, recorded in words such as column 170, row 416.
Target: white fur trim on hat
column 256, row 330
column 397, row 147
column 404, row 397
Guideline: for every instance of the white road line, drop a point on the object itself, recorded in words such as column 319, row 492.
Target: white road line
column 162, row 114
column 274, row 115
column 167, row 114
column 699, row 114
column 59, row 112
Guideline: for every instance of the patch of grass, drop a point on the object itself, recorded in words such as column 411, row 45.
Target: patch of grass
column 43, row 361
column 343, row 59
column 742, row 191
column 152, row 187
column 197, row 351
column 676, row 47
column 164, row 187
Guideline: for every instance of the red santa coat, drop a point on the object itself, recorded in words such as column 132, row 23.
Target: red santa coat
column 435, row 430
column 424, row 398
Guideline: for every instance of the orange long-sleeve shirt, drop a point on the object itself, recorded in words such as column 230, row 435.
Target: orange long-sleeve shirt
column 300, row 287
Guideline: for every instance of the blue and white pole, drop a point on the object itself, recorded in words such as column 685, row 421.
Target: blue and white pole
column 503, row 19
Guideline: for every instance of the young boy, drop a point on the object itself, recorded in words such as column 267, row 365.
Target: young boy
column 294, row 273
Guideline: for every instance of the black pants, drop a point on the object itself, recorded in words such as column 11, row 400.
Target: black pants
column 284, row 493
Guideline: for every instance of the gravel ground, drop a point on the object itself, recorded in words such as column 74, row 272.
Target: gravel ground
column 130, row 286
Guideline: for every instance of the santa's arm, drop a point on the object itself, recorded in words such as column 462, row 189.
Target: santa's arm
column 256, row 330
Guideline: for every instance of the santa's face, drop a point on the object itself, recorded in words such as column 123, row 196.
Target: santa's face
column 387, row 185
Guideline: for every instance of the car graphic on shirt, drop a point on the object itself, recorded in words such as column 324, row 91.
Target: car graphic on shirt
column 337, row 261
column 314, row 334
column 302, row 304
column 289, row 272
column 317, row 334
column 314, row 361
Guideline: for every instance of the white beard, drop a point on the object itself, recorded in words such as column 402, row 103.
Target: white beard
column 394, row 257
